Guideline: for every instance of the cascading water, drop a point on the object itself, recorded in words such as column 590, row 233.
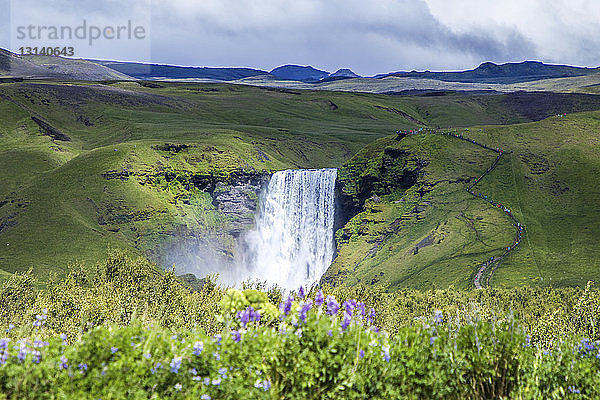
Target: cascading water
column 292, row 243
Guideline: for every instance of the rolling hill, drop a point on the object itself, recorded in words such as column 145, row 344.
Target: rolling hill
column 160, row 170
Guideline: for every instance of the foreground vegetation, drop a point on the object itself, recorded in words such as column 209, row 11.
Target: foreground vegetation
column 126, row 330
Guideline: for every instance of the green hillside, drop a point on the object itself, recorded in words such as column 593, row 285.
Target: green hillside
column 133, row 165
column 431, row 233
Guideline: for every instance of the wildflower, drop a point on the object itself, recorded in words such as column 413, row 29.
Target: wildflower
column 330, row 333
column 205, row 397
column 319, row 298
column 304, row 310
column 527, row 341
column 286, row 306
column 22, row 352
column 173, row 337
column 178, row 387
column 196, row 378
column 385, row 352
column 346, row 321
column 349, row 305
column 217, row 356
column 197, row 349
column 236, row 336
column 362, row 354
column 432, row 340
column 175, row 364
column 216, row 381
column 156, row 367
column 360, row 306
column 193, row 371
column 573, row 389
column 147, row 356
column 217, row 339
column 301, row 292
column 10, row 327
column 82, row 367
column 299, row 333
column 266, row 385
column 37, row 356
column 113, row 349
column 248, row 315
column 206, row 381
column 63, row 363
column 63, row 337
column 371, row 316
column 332, row 306
column 438, row 317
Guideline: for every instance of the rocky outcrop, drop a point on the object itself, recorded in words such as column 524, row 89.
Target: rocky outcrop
column 239, row 201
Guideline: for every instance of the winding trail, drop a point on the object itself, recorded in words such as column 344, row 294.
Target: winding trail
column 493, row 262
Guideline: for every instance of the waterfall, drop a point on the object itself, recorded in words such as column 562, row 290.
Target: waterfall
column 292, row 243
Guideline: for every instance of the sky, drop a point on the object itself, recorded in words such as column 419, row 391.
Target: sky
column 367, row 36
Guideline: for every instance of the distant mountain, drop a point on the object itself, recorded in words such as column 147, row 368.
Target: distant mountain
column 48, row 67
column 501, row 73
column 344, row 73
column 156, row 71
column 299, row 73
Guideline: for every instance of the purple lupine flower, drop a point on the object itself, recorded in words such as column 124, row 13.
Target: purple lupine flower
column 286, row 306
column 216, row 381
column 178, row 387
column 205, row 397
column 360, row 306
column 438, row 317
column 37, row 356
column 319, row 298
column 83, row 367
column 223, row 373
column 573, row 389
column 330, row 333
column 301, row 292
column 362, row 354
column 175, row 364
column 22, row 355
column 302, row 314
column 332, row 306
column 346, row 321
column 206, row 381
column 193, row 371
column 385, row 352
column 4, row 343
column 114, row 349
column 349, row 306
column 236, row 336
column 432, row 340
column 63, row 363
column 371, row 316
column 197, row 349
column 156, row 367
column 217, row 356
column 266, row 385
column 217, row 338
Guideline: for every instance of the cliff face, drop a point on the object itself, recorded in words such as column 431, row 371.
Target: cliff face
column 211, row 244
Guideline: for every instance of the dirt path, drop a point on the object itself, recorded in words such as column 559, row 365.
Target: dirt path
column 492, row 263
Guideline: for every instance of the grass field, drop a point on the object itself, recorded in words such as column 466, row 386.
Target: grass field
column 123, row 179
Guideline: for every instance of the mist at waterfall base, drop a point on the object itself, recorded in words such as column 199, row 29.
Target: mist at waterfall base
column 292, row 243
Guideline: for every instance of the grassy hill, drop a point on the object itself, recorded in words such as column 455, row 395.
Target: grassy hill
column 429, row 232
column 88, row 166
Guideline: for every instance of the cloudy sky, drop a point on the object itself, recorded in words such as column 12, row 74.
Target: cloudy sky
column 368, row 36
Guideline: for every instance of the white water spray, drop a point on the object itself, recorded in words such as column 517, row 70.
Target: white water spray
column 292, row 243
